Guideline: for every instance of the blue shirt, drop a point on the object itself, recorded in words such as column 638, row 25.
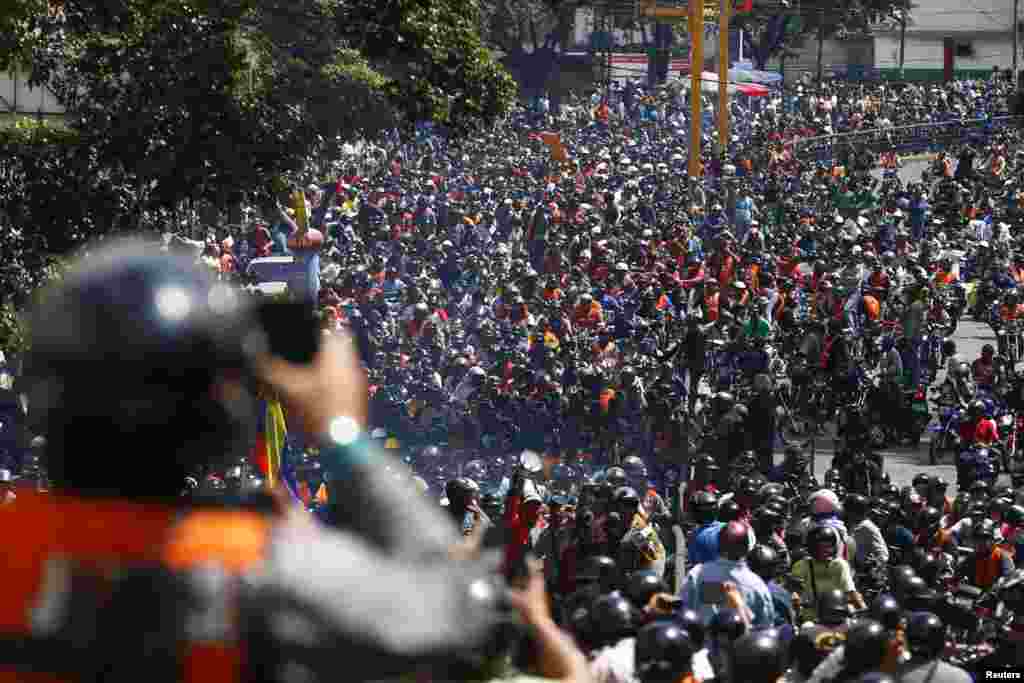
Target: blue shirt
column 704, row 545
column 782, row 600
column 704, row 581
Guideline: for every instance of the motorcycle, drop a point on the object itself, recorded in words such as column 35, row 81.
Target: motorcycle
column 945, row 433
column 976, row 464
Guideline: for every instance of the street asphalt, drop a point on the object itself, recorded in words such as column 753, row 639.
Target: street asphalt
column 903, row 463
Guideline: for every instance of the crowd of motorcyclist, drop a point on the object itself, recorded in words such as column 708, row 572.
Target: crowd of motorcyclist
column 660, row 341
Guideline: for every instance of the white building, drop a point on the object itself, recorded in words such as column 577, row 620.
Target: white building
column 981, row 31
column 17, row 98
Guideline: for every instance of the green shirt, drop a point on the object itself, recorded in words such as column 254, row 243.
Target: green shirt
column 758, row 328
column 833, row 575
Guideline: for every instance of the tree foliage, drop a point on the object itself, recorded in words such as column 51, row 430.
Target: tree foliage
column 776, row 26
column 174, row 101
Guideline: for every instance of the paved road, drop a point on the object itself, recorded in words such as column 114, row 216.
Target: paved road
column 903, row 463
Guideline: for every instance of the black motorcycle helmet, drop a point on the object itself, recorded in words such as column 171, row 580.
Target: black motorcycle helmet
column 757, row 657
column 134, row 347
column 764, row 561
column 887, row 611
column 819, row 536
column 690, row 620
column 461, row 493
column 867, row 643
column 833, row 608
column 730, row 511
column 616, row 477
column 664, row 652
column 727, row 624
column 929, row 519
column 599, row 569
column 926, row 635
column 705, row 507
column 642, row 585
column 856, row 506
column 766, row 521
column 611, row 618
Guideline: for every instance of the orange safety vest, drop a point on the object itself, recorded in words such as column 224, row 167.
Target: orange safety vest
column 58, row 546
column 872, row 308
column 986, row 571
column 711, row 303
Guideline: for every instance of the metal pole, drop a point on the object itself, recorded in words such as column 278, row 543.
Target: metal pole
column 821, row 42
column 723, row 75
column 696, row 87
column 1016, row 38
column 903, row 40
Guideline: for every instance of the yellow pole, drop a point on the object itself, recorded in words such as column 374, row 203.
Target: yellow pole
column 696, row 67
column 723, row 73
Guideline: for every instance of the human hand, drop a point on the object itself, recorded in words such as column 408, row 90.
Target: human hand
column 532, row 601
column 333, row 385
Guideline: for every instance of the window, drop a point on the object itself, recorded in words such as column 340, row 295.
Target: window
column 964, row 49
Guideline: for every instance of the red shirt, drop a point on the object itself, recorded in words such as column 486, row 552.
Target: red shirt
column 983, row 431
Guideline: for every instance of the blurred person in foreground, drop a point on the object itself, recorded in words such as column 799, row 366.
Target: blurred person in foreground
column 115, row 575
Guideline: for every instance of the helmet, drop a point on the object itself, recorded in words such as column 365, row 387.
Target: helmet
column 921, row 480
column 886, row 611
column 694, row 625
column 820, row 535
column 734, row 541
column 600, row 568
column 730, row 511
column 867, row 644
column 642, row 585
column 856, row 505
column 130, row 346
column 727, row 623
column 758, row 657
column 1015, row 515
column 764, row 561
column 635, row 469
column 833, row 608
column 766, row 520
column 926, row 635
column 769, row 491
column 460, row 492
column 976, row 408
column 616, row 477
column 930, row 518
column 664, row 652
column 705, row 507
column 824, row 502
column 612, row 618
column 626, row 495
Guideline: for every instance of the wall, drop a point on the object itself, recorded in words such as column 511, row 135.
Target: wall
column 17, row 98
column 924, row 51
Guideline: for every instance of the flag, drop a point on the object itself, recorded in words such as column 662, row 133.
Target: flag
column 299, row 205
column 270, row 442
